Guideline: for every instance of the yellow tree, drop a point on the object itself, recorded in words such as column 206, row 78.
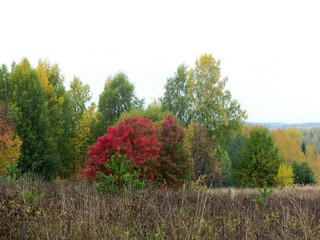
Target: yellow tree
column 285, row 176
column 313, row 159
column 81, row 141
column 295, row 134
column 289, row 149
column 211, row 104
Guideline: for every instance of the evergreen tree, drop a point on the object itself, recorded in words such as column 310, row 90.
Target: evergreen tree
column 303, row 147
column 303, row 174
column 258, row 161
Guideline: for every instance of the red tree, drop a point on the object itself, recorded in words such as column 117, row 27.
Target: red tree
column 175, row 160
column 136, row 138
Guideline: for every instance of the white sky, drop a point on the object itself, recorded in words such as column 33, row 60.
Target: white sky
column 270, row 50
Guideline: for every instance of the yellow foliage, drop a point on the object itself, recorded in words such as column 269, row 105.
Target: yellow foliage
column 43, row 75
column 80, row 141
column 311, row 153
column 289, row 149
column 285, row 176
column 295, row 134
column 9, row 150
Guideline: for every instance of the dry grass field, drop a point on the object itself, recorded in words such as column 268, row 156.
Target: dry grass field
column 34, row 209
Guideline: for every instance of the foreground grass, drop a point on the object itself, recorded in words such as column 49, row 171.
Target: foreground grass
column 76, row 211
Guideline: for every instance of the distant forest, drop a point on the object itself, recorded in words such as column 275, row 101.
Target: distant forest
column 279, row 125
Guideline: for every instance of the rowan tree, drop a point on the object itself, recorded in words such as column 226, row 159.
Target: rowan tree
column 175, row 160
column 136, row 139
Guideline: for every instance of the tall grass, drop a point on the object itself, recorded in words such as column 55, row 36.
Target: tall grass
column 70, row 210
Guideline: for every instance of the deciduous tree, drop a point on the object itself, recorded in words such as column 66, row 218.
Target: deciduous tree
column 285, row 176
column 202, row 150
column 10, row 143
column 289, row 148
column 136, row 139
column 27, row 102
column 117, row 97
column 176, row 98
column 212, row 104
column 175, row 160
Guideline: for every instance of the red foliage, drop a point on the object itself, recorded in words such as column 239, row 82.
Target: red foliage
column 136, row 138
column 175, row 160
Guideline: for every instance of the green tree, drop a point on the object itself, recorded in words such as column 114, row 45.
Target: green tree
column 81, row 140
column 303, row 147
column 203, row 155
column 28, row 104
column 176, row 99
column 235, row 146
column 303, row 174
column 4, row 74
column 153, row 112
column 79, row 96
column 75, row 102
column 212, row 105
column 54, row 100
column 120, row 176
column 117, row 97
column 258, row 161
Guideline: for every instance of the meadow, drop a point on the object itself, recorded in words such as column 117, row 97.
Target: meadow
column 37, row 209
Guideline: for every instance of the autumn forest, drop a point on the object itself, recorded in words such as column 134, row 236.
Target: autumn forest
column 51, row 132
column 185, row 166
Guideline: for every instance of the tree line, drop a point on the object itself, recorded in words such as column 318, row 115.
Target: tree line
column 48, row 130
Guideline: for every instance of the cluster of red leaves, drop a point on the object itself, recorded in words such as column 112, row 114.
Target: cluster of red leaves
column 156, row 149
column 134, row 137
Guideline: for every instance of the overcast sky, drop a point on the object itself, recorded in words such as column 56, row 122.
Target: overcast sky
column 270, row 50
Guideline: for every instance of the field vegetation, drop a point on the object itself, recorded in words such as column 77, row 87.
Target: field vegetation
column 37, row 209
